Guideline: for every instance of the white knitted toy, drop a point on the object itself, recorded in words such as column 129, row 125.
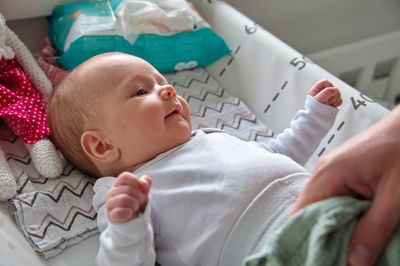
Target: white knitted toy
column 43, row 153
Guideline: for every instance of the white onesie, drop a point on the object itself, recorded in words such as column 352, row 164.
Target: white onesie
column 214, row 198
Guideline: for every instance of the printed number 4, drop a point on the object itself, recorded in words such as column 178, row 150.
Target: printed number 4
column 357, row 103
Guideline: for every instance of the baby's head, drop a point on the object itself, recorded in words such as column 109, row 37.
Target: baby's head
column 115, row 112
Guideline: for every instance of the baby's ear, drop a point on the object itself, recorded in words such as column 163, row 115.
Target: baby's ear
column 98, row 148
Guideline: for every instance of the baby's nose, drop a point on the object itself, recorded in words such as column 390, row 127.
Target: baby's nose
column 167, row 92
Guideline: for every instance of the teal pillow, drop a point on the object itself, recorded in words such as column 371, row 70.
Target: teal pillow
column 167, row 53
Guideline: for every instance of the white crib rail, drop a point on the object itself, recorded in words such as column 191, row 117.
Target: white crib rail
column 360, row 62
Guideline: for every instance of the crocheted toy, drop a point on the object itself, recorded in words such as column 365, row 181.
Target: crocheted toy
column 23, row 91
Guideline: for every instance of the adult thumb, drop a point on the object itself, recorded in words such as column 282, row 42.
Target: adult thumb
column 373, row 231
column 368, row 241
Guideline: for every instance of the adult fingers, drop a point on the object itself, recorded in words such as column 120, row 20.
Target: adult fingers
column 374, row 229
column 321, row 186
column 316, row 191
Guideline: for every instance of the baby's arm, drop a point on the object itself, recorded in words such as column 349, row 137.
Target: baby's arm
column 309, row 126
column 124, row 221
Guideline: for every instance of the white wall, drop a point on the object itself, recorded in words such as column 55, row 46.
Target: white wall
column 31, row 31
column 313, row 25
column 21, row 9
column 307, row 25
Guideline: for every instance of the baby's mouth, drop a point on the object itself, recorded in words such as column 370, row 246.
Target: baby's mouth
column 176, row 111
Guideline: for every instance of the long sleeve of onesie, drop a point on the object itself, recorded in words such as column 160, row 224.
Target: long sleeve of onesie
column 130, row 243
column 306, row 131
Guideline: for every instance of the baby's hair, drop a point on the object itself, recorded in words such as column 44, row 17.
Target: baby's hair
column 68, row 114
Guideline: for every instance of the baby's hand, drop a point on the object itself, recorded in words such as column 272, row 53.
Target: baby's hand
column 324, row 92
column 127, row 197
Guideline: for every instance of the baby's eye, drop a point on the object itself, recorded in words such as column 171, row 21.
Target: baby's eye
column 141, row 91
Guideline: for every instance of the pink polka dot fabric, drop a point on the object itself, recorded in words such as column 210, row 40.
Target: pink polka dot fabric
column 21, row 104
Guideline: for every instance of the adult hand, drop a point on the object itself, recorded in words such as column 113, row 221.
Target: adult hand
column 367, row 165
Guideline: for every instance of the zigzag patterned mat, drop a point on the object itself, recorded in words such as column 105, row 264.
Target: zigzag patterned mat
column 56, row 213
column 212, row 106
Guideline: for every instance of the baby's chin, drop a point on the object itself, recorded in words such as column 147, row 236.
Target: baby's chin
column 185, row 137
column 182, row 137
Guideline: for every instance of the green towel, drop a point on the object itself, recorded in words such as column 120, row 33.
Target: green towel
column 318, row 235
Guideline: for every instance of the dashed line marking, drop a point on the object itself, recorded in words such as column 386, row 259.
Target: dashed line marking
column 229, row 61
column 284, row 85
column 275, row 97
column 321, row 152
column 266, row 109
column 237, row 49
column 340, row 126
column 331, row 138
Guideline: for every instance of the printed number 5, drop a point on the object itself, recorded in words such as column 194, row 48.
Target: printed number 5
column 300, row 63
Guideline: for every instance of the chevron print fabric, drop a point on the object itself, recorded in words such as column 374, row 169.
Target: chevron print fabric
column 213, row 106
column 55, row 213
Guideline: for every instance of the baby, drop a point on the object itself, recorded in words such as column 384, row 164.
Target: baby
column 214, row 197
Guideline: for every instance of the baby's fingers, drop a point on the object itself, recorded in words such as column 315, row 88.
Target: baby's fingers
column 120, row 215
column 127, row 178
column 330, row 96
column 145, row 183
column 319, row 86
column 123, row 207
column 125, row 200
column 126, row 190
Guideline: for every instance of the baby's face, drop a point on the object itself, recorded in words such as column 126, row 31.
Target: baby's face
column 141, row 112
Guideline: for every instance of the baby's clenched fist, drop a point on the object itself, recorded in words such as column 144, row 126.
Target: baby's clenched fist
column 324, row 92
column 127, row 197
